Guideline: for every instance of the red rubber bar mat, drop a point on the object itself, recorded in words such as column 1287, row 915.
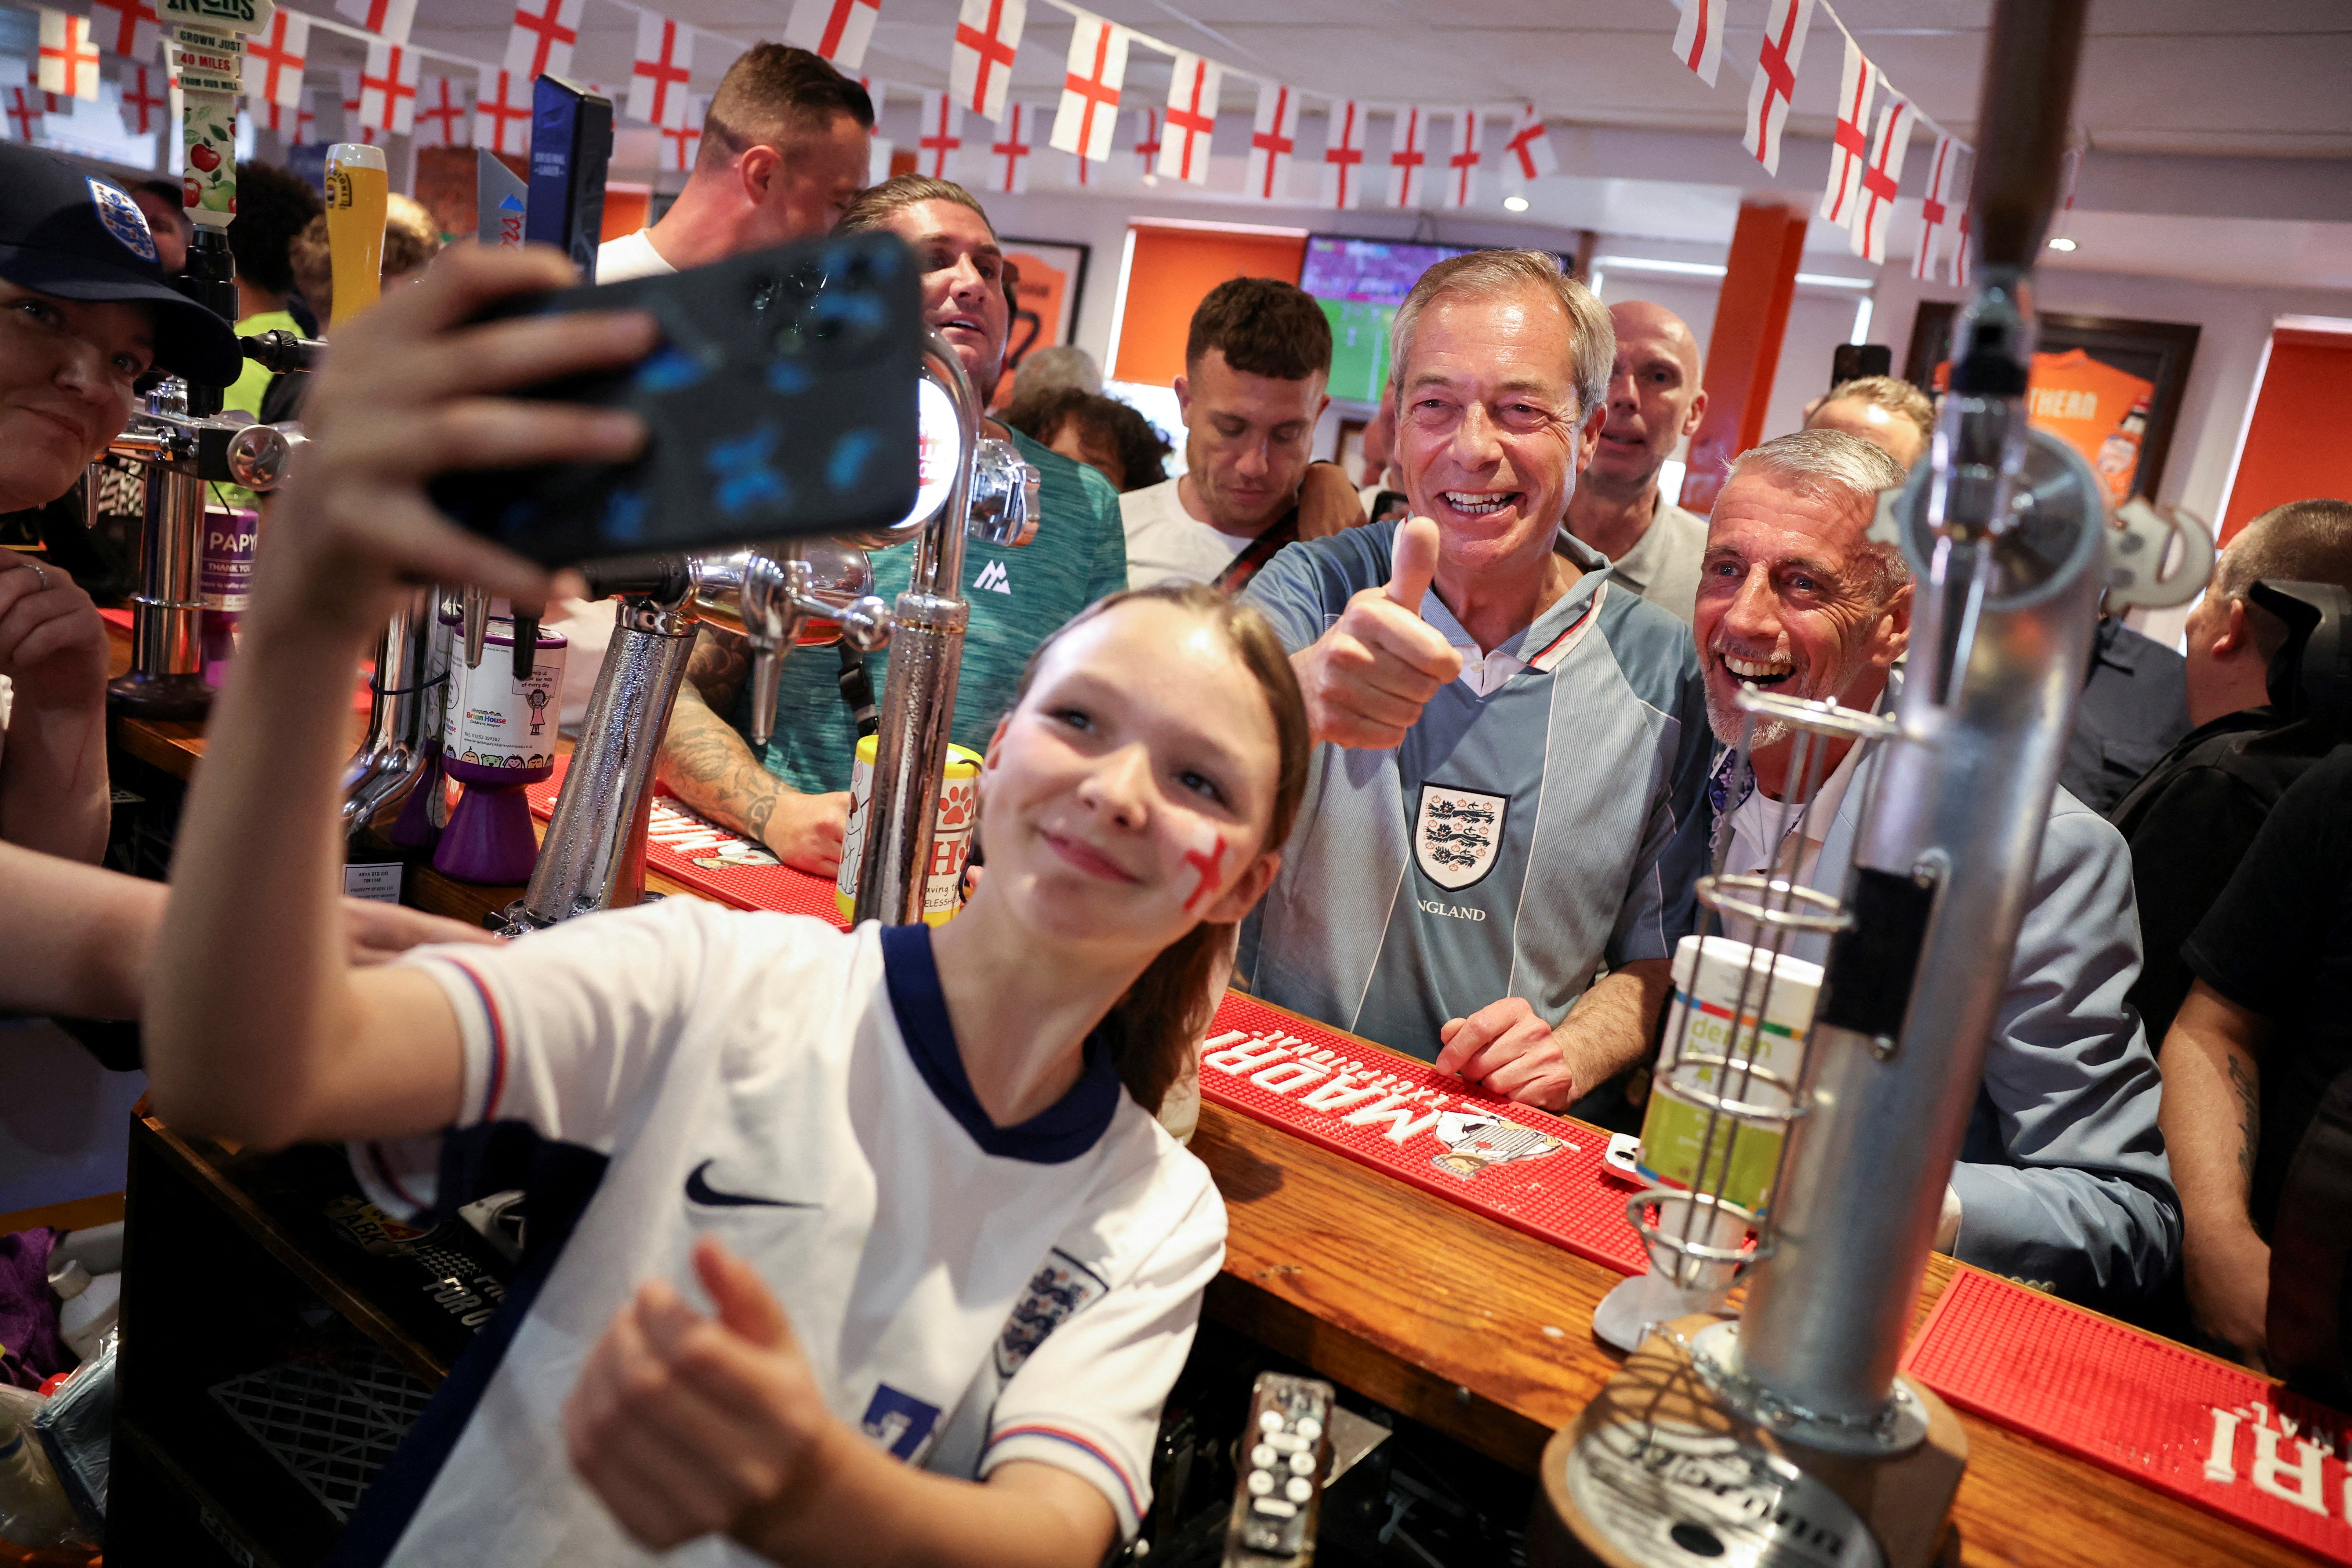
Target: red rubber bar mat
column 2152, row 1410
column 1534, row 1172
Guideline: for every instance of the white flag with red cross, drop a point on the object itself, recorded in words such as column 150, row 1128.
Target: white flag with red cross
column 444, row 117
column 1850, row 140
column 1786, row 22
column 1192, row 89
column 987, row 37
column 1882, row 177
column 1408, row 156
column 143, row 99
column 294, row 124
column 1462, row 163
column 1084, row 175
column 1274, row 141
column 274, row 58
column 663, row 67
column 69, row 59
column 354, row 128
column 541, row 38
column 942, row 137
column 837, row 30
column 1343, row 156
column 128, row 27
column 388, row 88
column 1527, row 152
column 23, row 105
column 1086, row 122
column 1939, row 209
column 502, row 112
column 1147, row 141
column 390, row 19
column 681, row 144
column 878, row 149
column 1009, row 150
column 1698, row 38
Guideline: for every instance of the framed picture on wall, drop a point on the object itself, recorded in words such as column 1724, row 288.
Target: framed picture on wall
column 2108, row 386
column 1049, row 282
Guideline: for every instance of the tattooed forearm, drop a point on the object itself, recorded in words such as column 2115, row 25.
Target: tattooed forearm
column 2246, row 1085
column 712, row 768
column 720, row 662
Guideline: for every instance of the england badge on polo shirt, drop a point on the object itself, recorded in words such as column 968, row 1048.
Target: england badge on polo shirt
column 1456, row 833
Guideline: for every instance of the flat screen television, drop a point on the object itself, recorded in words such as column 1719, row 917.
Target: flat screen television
column 1360, row 283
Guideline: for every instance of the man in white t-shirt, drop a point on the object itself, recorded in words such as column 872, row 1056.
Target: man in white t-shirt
column 1255, row 363
column 784, row 147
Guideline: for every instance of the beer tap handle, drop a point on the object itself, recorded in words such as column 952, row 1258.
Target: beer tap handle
column 526, row 644
column 475, row 612
column 279, row 351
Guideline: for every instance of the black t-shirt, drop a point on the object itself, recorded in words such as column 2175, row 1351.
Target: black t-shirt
column 2190, row 821
column 2135, row 705
column 2279, row 942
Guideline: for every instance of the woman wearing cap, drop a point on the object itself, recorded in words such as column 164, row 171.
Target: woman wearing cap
column 85, row 316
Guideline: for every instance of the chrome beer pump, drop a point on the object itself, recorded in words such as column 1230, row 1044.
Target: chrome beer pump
column 1785, row 1435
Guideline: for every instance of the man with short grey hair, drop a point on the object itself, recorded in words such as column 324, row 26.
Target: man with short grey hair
column 1503, row 796
column 2062, row 1181
column 1654, row 401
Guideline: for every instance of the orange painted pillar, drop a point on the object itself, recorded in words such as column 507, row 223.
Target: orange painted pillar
column 1744, row 348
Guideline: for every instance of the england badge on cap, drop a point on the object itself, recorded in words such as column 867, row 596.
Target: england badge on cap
column 123, row 218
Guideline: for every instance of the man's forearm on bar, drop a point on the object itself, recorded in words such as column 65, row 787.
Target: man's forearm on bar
column 710, row 767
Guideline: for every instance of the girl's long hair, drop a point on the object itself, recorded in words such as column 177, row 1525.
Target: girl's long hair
column 1155, row 1023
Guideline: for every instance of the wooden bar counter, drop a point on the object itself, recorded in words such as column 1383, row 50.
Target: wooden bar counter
column 1485, row 1334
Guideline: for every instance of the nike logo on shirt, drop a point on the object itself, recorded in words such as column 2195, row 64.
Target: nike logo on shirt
column 701, row 1191
column 992, row 577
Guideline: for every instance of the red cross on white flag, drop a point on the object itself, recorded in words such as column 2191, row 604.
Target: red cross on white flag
column 1786, row 23
column 1008, row 154
column 682, row 142
column 541, row 38
column 444, row 118
column 388, row 88
column 1960, row 246
column 23, row 105
column 1147, row 141
column 1461, row 164
column 987, row 37
column 274, row 58
column 69, row 57
column 1850, row 142
column 143, row 99
column 837, row 30
column 1273, row 139
column 127, row 27
column 664, row 65
column 1939, row 209
column 1192, row 89
column 1408, row 155
column 1343, row 156
column 1882, row 176
column 1698, row 39
column 1082, row 176
column 296, row 125
column 943, row 127
column 1527, row 154
column 1087, row 123
column 502, row 112
column 354, row 129
column 388, row 19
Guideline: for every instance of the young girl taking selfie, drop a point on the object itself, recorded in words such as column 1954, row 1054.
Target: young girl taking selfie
column 889, row 1262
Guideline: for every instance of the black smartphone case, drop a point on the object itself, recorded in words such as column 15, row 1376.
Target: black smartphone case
column 781, row 401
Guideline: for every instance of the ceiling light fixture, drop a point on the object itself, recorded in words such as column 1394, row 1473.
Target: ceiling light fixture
column 2062, row 243
column 1515, row 204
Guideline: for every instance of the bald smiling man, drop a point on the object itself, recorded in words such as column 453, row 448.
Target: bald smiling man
column 1654, row 400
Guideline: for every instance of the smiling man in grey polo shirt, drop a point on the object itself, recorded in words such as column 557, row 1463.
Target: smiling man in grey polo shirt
column 1505, row 794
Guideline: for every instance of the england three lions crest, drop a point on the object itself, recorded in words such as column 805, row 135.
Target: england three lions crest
column 1474, row 1140
column 1455, row 833
column 1062, row 1286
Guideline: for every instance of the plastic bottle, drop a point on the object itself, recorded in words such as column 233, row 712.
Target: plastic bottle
column 34, row 1511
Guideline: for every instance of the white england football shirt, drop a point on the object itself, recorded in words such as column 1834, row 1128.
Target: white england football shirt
column 967, row 1294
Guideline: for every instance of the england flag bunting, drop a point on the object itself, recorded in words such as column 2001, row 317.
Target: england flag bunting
column 354, row 128
column 1528, row 154
column 1082, row 176
column 540, row 40
column 878, row 154
column 22, row 106
column 388, row 90
column 1698, row 40
column 1147, row 142
column 1008, row 153
column 1408, row 155
column 130, row 28
column 1882, row 176
column 838, row 30
column 1343, row 156
column 1087, row 123
column 1461, row 164
column 663, row 68
column 69, row 59
column 1192, row 89
column 681, row 143
column 943, row 127
column 1849, row 143
column 1941, row 209
column 388, row 19
column 1785, row 26
column 274, row 60
column 293, row 123
column 444, row 118
column 143, row 98
column 502, row 112
column 987, row 37
column 1273, row 139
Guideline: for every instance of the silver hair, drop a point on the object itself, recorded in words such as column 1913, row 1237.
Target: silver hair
column 1834, row 466
column 1493, row 274
column 1063, row 364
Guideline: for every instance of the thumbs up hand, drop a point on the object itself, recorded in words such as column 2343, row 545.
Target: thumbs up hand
column 1367, row 679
